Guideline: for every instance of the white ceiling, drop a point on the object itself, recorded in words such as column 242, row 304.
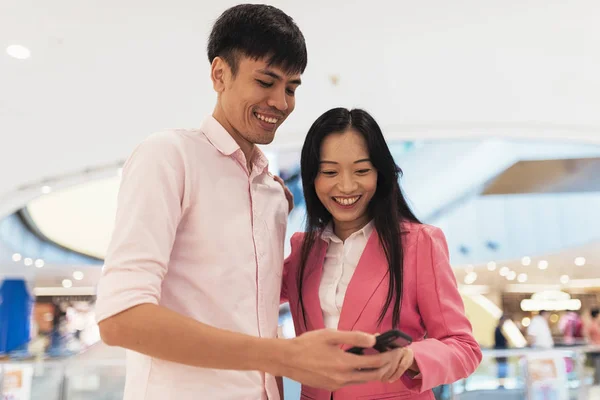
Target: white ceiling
column 80, row 218
column 103, row 75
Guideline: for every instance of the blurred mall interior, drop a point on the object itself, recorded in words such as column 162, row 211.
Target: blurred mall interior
column 491, row 109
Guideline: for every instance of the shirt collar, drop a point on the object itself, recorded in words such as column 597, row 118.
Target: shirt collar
column 329, row 235
column 260, row 160
column 218, row 136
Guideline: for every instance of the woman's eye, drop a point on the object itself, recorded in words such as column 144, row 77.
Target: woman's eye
column 328, row 173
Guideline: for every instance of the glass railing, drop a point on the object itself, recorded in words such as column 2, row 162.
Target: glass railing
column 559, row 374
column 63, row 380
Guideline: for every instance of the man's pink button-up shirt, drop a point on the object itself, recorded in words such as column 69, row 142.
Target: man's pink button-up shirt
column 197, row 233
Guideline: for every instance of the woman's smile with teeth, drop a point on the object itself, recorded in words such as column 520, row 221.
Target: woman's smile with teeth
column 346, row 201
column 270, row 120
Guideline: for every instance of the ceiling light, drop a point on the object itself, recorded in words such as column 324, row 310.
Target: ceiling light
column 531, row 305
column 470, row 278
column 542, row 264
column 551, row 300
column 526, row 261
column 491, row 266
column 46, row 189
column 67, row 283
column 28, row 261
column 564, row 279
column 522, row 278
column 511, row 275
column 19, row 52
column 39, row 263
column 504, row 271
column 526, row 321
column 78, row 275
column 17, row 257
column 580, row 261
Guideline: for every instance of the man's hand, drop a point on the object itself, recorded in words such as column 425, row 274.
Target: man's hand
column 288, row 194
column 316, row 359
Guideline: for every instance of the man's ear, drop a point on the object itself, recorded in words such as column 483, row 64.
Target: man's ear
column 220, row 72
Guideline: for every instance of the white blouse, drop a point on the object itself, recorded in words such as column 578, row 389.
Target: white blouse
column 340, row 263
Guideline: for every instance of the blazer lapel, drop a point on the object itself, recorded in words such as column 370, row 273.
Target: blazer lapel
column 370, row 271
column 310, row 289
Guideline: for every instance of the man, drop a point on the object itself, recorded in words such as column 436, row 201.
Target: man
column 538, row 332
column 192, row 276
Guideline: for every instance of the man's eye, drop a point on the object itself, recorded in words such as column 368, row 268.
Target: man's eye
column 264, row 84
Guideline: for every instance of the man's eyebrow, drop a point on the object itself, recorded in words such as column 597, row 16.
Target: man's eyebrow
column 276, row 76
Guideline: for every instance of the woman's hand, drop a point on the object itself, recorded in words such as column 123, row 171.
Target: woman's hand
column 404, row 360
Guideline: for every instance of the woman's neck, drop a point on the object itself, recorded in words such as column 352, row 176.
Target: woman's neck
column 343, row 229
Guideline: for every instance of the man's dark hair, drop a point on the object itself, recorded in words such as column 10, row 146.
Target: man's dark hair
column 258, row 31
column 594, row 312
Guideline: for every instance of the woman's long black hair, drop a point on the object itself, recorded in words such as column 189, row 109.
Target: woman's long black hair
column 388, row 207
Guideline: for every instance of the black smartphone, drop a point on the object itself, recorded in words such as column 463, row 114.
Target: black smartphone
column 389, row 340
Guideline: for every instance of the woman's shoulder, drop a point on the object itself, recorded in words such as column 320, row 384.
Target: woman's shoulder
column 413, row 232
column 297, row 239
column 298, row 235
column 411, row 228
column 296, row 243
column 294, row 257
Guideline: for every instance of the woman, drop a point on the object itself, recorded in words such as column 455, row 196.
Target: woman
column 366, row 263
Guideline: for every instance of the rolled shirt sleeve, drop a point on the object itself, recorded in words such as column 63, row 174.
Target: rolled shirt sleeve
column 151, row 201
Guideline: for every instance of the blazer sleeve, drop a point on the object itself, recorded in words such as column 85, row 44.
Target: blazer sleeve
column 449, row 352
column 290, row 264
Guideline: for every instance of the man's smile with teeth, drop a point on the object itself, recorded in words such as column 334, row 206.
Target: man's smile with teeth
column 270, row 120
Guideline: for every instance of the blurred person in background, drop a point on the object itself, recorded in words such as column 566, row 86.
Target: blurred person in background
column 539, row 334
column 592, row 333
column 593, row 328
column 501, row 343
column 571, row 327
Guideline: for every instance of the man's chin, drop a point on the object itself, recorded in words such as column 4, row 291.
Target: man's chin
column 265, row 139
